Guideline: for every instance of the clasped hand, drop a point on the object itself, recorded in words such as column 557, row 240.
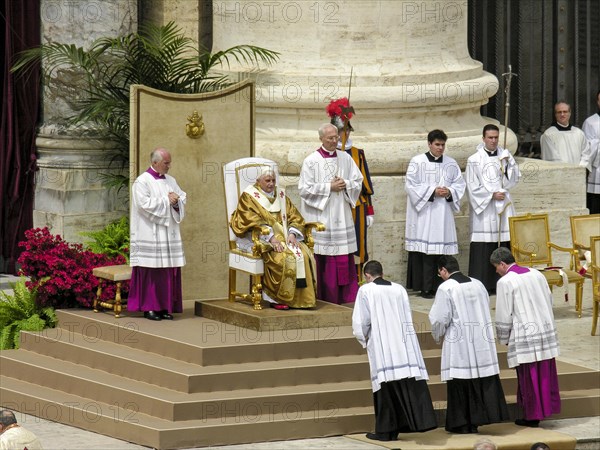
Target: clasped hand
column 338, row 184
column 173, row 198
column 442, row 191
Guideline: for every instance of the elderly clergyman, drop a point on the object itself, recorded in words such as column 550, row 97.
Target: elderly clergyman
column 156, row 249
column 329, row 186
column 289, row 279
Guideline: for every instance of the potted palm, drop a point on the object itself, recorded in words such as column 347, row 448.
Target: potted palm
column 161, row 57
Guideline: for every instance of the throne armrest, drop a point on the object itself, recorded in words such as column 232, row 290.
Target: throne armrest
column 256, row 233
column 573, row 252
column 561, row 249
column 524, row 252
column 309, row 227
column 579, row 246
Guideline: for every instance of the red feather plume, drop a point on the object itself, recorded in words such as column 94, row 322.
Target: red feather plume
column 340, row 107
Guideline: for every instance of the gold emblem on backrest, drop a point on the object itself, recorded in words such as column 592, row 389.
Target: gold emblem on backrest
column 195, row 126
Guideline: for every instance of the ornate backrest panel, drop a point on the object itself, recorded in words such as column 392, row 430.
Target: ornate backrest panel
column 203, row 133
column 237, row 176
column 529, row 237
column 583, row 228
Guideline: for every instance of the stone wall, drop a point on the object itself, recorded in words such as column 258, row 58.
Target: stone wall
column 70, row 196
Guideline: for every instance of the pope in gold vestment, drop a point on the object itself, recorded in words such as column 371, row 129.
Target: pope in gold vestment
column 289, row 277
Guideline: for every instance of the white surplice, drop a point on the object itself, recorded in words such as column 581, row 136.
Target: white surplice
column 460, row 315
column 430, row 227
column 484, row 176
column 333, row 209
column 17, row 437
column 591, row 129
column 382, row 323
column 568, row 146
column 524, row 318
column 155, row 235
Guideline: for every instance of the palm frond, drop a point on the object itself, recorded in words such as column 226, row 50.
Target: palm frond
column 161, row 57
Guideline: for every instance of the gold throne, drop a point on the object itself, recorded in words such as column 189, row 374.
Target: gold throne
column 530, row 245
column 244, row 254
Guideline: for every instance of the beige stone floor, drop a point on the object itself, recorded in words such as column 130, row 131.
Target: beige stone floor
column 577, row 346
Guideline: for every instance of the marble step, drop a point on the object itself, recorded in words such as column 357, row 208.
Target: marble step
column 206, row 342
column 187, row 377
column 156, row 399
column 126, row 422
column 570, row 378
column 172, row 405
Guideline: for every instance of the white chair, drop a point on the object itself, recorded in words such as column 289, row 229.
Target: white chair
column 243, row 253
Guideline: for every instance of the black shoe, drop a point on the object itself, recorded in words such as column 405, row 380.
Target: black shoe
column 382, row 436
column 527, row 423
column 152, row 315
column 428, row 294
column 464, row 429
column 164, row 314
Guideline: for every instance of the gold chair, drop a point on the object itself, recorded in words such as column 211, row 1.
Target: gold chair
column 582, row 229
column 244, row 254
column 595, row 274
column 530, row 245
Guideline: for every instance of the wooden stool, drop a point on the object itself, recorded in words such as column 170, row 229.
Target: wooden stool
column 118, row 274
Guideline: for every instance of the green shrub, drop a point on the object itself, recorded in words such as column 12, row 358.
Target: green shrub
column 20, row 311
column 111, row 241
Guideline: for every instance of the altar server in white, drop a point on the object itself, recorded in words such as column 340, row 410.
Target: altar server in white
column 563, row 142
column 525, row 322
column 491, row 173
column 435, row 186
column 460, row 316
column 382, row 323
column 330, row 184
column 156, row 249
column 591, row 129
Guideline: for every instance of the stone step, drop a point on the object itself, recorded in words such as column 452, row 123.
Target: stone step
column 206, row 342
column 570, row 378
column 155, row 399
column 189, row 381
column 574, row 403
column 125, row 421
column 172, row 405
column 187, row 377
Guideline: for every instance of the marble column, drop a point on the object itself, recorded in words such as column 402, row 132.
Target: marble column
column 411, row 73
column 70, row 196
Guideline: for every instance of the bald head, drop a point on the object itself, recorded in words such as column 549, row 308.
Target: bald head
column 161, row 160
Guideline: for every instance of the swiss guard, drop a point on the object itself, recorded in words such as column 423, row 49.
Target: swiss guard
column 340, row 111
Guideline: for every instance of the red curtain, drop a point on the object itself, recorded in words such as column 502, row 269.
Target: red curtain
column 20, row 111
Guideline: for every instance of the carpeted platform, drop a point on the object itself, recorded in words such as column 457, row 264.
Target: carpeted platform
column 507, row 436
column 241, row 314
